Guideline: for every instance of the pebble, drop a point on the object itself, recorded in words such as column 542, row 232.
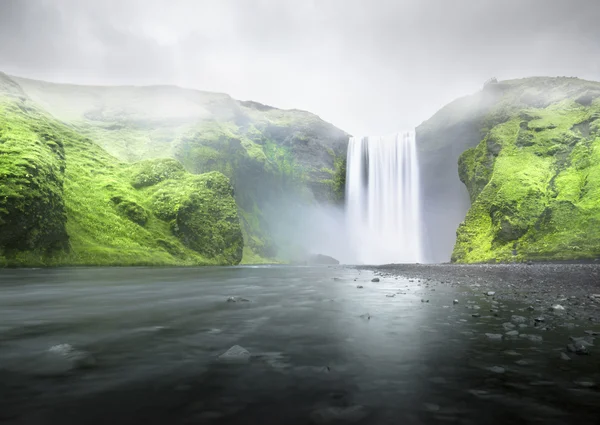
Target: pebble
column 565, row 356
column 359, row 286
column 508, row 326
column 375, row 279
column 494, row 336
column 390, row 295
column 339, row 414
column 512, row 334
column 476, row 315
column 518, row 319
column 455, row 302
column 578, row 349
column 236, row 299
column 532, row 338
column 497, row 369
column 557, row 307
column 490, row 293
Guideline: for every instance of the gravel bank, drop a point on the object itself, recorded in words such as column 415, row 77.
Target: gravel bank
column 575, row 287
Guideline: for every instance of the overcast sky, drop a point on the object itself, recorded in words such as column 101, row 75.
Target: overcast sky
column 368, row 66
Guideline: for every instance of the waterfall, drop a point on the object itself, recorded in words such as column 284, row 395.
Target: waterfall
column 383, row 208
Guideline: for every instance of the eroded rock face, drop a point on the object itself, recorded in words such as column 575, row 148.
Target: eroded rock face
column 527, row 154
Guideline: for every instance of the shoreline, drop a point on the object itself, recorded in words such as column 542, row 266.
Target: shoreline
column 575, row 287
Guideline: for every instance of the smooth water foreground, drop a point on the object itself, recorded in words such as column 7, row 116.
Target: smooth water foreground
column 144, row 346
column 383, row 199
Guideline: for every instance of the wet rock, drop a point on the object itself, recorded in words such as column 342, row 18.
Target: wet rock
column 235, row 354
column 511, row 353
column 475, row 315
column 565, row 356
column 592, row 332
column 523, row 362
column 518, row 319
column 455, row 302
column 339, row 414
column 490, row 293
column 531, row 308
column 497, row 369
column 582, row 341
column 375, row 279
column 557, row 308
column 578, row 349
column 539, row 319
column 237, row 300
column 508, row 326
column 494, row 337
column 532, row 338
column 585, row 384
column 431, row 407
column 512, row 334
column 359, row 286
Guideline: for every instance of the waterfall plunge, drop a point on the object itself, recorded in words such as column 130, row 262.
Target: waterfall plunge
column 383, row 201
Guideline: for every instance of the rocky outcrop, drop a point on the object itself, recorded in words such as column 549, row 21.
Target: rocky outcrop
column 528, row 154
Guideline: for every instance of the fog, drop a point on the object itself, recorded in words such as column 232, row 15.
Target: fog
column 369, row 67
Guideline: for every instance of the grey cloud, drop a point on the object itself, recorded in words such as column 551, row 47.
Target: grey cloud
column 367, row 66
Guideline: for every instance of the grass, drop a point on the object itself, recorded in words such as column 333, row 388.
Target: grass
column 57, row 181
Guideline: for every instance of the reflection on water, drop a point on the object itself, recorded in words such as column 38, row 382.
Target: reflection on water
column 142, row 345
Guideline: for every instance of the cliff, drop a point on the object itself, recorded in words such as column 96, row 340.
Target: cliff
column 528, row 154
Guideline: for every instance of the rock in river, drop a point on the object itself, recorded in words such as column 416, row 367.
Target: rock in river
column 235, row 354
column 339, row 414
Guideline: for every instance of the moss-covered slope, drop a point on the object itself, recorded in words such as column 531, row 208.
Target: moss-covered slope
column 534, row 178
column 267, row 153
column 66, row 201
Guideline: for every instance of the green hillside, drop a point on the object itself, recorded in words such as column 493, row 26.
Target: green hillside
column 534, row 178
column 65, row 201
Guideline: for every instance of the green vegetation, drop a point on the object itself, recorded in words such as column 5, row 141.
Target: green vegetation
column 56, row 182
column 112, row 186
column 534, row 179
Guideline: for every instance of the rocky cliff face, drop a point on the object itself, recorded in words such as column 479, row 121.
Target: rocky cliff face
column 528, row 153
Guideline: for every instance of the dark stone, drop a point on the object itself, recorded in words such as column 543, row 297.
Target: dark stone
column 320, row 259
column 375, row 279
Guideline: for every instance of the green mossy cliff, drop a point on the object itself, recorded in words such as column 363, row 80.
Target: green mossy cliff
column 270, row 155
column 65, row 201
column 533, row 178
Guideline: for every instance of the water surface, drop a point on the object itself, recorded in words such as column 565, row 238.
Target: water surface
column 144, row 347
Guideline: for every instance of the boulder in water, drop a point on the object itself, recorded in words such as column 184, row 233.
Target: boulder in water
column 235, row 354
column 320, row 259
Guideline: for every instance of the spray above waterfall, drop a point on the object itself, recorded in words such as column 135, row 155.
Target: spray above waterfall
column 383, row 199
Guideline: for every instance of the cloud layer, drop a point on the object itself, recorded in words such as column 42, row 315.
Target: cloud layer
column 370, row 67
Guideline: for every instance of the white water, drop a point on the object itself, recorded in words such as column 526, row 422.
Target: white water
column 383, row 201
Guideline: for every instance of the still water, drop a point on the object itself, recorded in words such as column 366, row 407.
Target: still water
column 142, row 345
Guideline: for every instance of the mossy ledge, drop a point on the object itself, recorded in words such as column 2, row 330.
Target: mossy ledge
column 534, row 177
column 66, row 201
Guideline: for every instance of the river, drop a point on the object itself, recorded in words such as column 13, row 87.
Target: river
column 143, row 345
